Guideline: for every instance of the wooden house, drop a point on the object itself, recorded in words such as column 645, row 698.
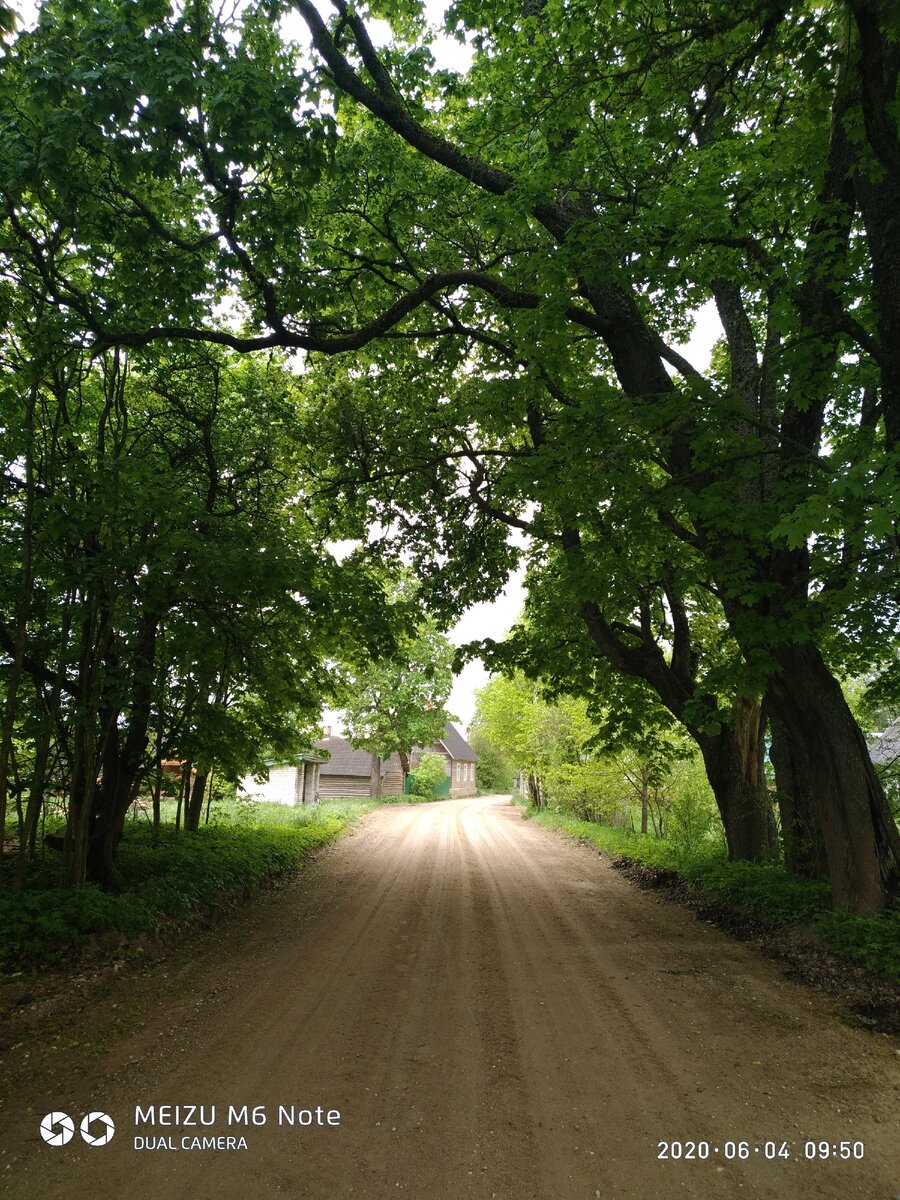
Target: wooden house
column 462, row 761
column 348, row 772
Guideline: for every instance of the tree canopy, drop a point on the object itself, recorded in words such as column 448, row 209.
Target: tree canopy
column 396, row 704
column 490, row 273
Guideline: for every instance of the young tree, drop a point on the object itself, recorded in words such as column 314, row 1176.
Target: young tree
column 496, row 773
column 431, row 770
column 397, row 704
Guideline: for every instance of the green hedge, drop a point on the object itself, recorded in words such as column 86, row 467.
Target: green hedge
column 766, row 892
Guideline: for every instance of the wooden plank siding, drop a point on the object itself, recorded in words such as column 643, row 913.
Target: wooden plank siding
column 392, row 780
column 331, row 786
column 348, row 771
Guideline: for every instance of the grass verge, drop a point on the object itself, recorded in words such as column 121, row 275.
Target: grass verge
column 766, row 893
column 175, row 882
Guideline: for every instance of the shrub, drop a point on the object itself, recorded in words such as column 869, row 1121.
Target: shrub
column 430, row 772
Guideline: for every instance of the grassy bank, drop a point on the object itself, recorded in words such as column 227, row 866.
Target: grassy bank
column 766, row 893
column 174, row 882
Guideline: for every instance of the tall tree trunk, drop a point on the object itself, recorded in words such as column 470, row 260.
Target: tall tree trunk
column 404, row 767
column 801, row 835
column 861, row 840
column 194, row 809
column 375, row 778
column 209, row 795
column 123, row 766
column 81, row 803
column 876, row 179
column 157, row 797
column 183, row 791
column 23, row 608
column 645, row 801
column 35, row 801
column 535, row 790
column 734, row 766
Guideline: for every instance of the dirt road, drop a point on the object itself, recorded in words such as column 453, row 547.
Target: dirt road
column 495, row 1014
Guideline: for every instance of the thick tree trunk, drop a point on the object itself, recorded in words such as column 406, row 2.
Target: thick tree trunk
column 404, row 765
column 801, row 835
column 81, row 805
column 876, row 180
column 101, row 854
column 734, row 766
column 861, row 841
column 375, row 778
column 536, row 791
column 194, row 807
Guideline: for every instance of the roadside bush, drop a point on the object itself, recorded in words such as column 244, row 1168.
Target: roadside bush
column 428, row 775
column 496, row 774
column 592, row 790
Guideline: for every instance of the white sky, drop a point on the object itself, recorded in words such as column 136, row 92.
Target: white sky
column 487, row 620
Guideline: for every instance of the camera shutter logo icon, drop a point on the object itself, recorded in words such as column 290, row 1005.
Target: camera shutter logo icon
column 57, row 1128
column 98, row 1129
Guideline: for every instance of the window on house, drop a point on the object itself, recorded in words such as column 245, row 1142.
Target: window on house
column 457, row 772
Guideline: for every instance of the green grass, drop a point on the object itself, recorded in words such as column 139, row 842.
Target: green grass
column 766, row 892
column 174, row 882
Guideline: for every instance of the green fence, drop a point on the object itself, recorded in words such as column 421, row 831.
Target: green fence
column 442, row 789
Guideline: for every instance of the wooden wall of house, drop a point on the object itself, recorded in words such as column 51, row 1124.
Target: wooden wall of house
column 343, row 785
column 392, row 781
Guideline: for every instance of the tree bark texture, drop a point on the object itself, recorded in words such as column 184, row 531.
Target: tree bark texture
column 861, row 841
column 801, row 834
column 734, row 766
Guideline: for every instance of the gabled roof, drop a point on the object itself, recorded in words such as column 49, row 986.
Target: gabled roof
column 456, row 745
column 347, row 761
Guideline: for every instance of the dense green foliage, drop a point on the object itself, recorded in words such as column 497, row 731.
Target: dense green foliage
column 166, row 597
column 489, row 272
column 496, row 773
column 578, row 758
column 430, row 772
